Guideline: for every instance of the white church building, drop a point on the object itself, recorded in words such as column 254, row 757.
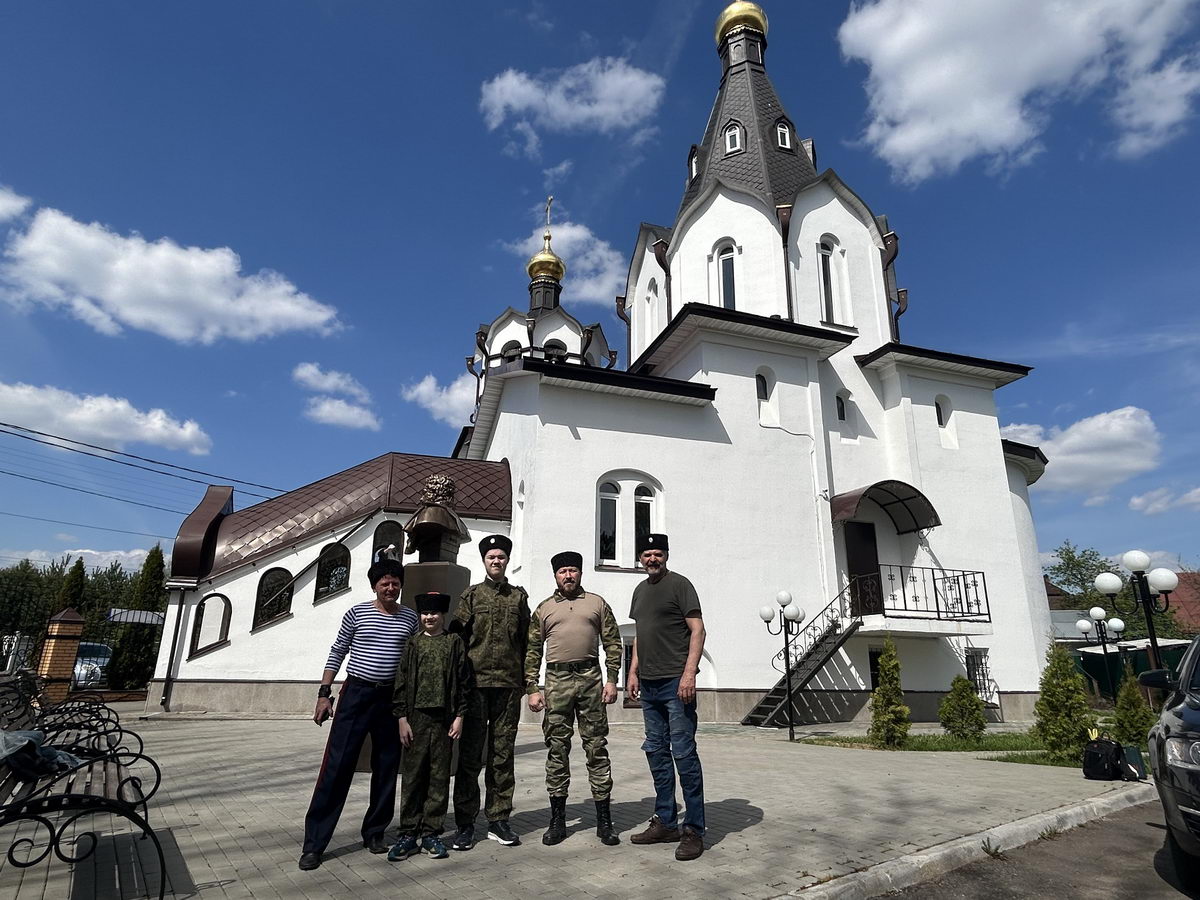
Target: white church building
column 769, row 419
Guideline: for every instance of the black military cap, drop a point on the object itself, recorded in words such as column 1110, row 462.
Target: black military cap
column 432, row 602
column 566, row 558
column 495, row 542
column 652, row 542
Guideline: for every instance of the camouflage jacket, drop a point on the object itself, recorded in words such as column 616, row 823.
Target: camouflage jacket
column 494, row 622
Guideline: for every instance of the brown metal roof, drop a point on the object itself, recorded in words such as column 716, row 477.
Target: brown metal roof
column 908, row 508
column 392, row 482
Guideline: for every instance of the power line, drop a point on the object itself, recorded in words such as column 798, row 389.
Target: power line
column 146, row 459
column 81, row 525
column 93, row 493
column 129, row 486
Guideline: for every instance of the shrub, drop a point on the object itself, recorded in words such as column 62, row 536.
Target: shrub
column 961, row 711
column 889, row 715
column 1063, row 714
column 1134, row 716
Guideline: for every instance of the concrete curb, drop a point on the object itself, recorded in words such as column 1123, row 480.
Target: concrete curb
column 897, row 874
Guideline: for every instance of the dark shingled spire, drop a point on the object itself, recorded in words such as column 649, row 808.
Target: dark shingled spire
column 746, row 96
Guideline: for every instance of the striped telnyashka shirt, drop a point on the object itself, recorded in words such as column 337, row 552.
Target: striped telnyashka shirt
column 374, row 640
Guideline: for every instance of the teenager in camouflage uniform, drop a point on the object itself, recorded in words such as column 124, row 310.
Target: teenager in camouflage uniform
column 430, row 700
column 493, row 617
column 570, row 622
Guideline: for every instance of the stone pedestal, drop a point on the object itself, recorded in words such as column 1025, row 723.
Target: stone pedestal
column 57, row 662
column 447, row 577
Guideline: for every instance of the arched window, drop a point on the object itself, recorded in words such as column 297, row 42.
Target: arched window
column 274, row 600
column 844, row 408
column 768, row 406
column 841, row 408
column 833, row 292
column 556, row 350
column 333, row 571
column 693, row 164
column 606, row 548
column 943, row 415
column 760, row 384
column 389, row 540
column 783, row 135
column 643, row 514
column 943, row 411
column 733, row 137
column 511, row 350
column 210, row 627
column 726, row 278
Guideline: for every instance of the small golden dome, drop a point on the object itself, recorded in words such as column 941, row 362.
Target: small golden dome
column 740, row 13
column 546, row 262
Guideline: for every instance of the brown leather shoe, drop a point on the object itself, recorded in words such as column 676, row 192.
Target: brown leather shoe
column 691, row 845
column 656, row 833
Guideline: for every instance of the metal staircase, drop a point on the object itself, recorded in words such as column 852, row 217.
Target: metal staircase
column 811, row 647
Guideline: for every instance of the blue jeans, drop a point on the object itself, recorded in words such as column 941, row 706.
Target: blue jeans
column 670, row 746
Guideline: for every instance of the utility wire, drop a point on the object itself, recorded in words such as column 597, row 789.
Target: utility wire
column 93, row 493
column 31, row 431
column 131, row 486
column 81, row 525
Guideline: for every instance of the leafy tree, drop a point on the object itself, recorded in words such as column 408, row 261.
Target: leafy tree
column 1075, row 570
column 136, row 650
column 961, row 711
column 70, row 594
column 1062, row 711
column 1134, row 717
column 889, row 715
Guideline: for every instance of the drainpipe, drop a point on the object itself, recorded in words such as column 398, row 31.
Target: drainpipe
column 169, row 679
column 623, row 315
column 660, row 254
column 785, row 224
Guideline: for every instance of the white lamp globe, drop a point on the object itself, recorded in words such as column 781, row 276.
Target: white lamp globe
column 1116, row 626
column 1097, row 613
column 1108, row 583
column 1136, row 561
column 766, row 613
column 793, row 613
column 783, row 598
column 1084, row 625
column 1163, row 580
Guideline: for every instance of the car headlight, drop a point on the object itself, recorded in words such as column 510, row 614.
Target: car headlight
column 1183, row 753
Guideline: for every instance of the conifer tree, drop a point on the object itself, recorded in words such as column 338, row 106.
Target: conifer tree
column 961, row 711
column 133, row 660
column 1134, row 716
column 70, row 595
column 1062, row 710
column 889, row 715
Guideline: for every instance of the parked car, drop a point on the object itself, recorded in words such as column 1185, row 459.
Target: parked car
column 1174, row 745
column 91, row 664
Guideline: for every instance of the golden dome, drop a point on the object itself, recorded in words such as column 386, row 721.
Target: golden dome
column 740, row 13
column 546, row 262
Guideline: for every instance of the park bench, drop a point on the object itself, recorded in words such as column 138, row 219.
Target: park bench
column 79, row 721
column 39, row 815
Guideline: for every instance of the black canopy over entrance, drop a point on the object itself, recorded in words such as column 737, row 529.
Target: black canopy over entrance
column 908, row 508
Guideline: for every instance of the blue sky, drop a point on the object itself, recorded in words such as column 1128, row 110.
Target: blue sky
column 256, row 239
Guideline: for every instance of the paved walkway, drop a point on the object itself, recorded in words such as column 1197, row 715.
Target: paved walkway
column 781, row 817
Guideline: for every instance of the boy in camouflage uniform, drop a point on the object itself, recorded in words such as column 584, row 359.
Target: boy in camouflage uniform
column 570, row 622
column 430, row 700
column 493, row 617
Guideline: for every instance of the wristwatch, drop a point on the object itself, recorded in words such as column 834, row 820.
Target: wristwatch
column 326, row 691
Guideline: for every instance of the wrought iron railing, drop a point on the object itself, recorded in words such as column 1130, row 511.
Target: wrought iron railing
column 836, row 614
column 916, row 592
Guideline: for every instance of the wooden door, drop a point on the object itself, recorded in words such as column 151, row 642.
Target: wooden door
column 862, row 566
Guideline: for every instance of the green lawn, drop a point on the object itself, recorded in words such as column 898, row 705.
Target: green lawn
column 1006, row 741
column 1040, row 758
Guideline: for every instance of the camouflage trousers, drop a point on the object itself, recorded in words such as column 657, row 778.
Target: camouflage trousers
column 487, row 744
column 425, row 791
column 571, row 696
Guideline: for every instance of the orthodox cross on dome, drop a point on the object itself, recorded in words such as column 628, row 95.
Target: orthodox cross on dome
column 549, row 201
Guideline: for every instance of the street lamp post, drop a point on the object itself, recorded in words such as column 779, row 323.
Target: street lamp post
column 1115, row 625
column 790, row 616
column 1146, row 586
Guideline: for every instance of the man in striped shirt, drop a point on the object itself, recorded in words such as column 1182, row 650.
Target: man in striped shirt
column 374, row 635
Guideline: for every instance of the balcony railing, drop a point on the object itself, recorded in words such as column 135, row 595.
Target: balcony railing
column 915, row 592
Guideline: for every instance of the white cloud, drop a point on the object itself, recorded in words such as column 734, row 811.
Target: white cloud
column 1165, row 559
column 1191, row 499
column 530, row 145
column 452, row 404
column 595, row 271
column 1153, row 502
column 604, row 94
column 130, row 560
column 555, row 175
column 952, row 81
column 336, row 411
column 187, row 294
column 313, row 377
column 12, row 204
column 1094, row 454
column 99, row 419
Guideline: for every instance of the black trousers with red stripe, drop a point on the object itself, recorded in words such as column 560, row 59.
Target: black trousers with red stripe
column 362, row 709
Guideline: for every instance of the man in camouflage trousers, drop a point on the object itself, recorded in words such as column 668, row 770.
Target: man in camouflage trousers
column 493, row 617
column 570, row 623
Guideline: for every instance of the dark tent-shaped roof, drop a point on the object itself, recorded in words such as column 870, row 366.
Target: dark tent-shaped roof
column 908, row 508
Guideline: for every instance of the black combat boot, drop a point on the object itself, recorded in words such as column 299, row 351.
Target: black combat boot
column 557, row 832
column 604, row 828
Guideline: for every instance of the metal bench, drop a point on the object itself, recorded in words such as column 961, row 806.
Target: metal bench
column 80, row 721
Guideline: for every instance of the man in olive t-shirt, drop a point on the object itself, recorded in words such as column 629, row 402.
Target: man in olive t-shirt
column 666, row 658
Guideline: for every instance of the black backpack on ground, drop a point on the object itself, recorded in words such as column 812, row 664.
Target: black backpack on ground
column 1103, row 759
